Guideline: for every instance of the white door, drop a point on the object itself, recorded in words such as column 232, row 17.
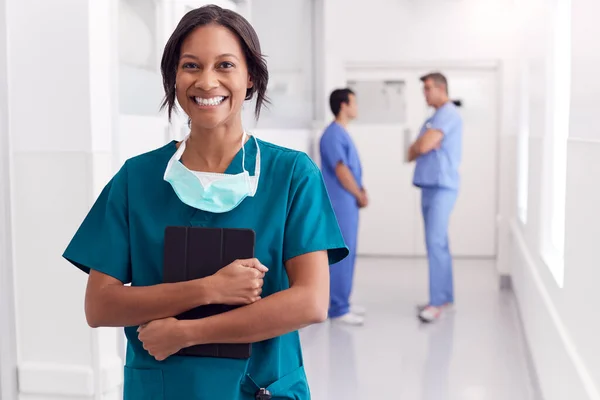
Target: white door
column 392, row 225
column 387, row 226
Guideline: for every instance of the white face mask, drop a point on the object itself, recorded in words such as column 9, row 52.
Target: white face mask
column 208, row 191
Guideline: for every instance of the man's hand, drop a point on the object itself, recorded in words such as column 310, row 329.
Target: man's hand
column 362, row 199
column 412, row 153
column 162, row 338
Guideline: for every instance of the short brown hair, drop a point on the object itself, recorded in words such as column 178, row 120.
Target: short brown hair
column 211, row 14
column 438, row 78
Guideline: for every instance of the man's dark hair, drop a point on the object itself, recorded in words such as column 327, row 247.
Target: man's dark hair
column 338, row 97
column 438, row 78
column 211, row 14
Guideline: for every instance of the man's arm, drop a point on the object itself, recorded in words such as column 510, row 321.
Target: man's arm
column 430, row 140
column 347, row 180
column 333, row 155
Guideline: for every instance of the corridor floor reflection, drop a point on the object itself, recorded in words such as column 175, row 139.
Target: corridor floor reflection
column 475, row 352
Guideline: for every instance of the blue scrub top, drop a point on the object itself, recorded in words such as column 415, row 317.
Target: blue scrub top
column 122, row 236
column 337, row 146
column 439, row 168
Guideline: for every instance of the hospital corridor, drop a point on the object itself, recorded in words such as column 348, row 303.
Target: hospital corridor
column 299, row 199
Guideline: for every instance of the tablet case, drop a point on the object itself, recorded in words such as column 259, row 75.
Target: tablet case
column 197, row 252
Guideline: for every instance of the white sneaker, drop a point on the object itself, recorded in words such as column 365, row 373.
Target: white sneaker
column 349, row 319
column 445, row 307
column 358, row 310
column 430, row 314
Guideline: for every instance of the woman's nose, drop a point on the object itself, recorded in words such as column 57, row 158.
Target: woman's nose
column 207, row 81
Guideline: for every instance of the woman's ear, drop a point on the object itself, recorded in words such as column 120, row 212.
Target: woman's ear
column 250, row 84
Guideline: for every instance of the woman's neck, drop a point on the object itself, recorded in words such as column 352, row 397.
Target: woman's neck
column 211, row 150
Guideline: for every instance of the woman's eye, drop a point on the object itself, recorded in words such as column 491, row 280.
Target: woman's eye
column 226, row 65
column 189, row 65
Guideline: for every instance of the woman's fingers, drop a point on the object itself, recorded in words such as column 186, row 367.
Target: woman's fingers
column 254, row 263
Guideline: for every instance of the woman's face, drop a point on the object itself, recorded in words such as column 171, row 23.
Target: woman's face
column 212, row 76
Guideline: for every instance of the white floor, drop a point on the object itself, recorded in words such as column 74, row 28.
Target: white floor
column 474, row 353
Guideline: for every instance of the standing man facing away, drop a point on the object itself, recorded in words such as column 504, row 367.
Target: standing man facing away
column 437, row 152
column 342, row 173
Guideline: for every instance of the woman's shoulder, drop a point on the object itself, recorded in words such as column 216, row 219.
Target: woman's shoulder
column 153, row 157
column 286, row 159
column 151, row 161
column 143, row 168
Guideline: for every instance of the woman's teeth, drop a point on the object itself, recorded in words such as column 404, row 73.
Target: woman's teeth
column 213, row 101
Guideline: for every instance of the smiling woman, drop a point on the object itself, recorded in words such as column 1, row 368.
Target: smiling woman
column 216, row 177
column 195, row 49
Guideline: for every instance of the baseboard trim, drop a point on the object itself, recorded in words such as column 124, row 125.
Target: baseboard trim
column 55, row 379
column 66, row 380
column 582, row 372
column 534, row 379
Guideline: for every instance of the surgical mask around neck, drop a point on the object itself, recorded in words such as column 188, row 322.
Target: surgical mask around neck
column 208, row 191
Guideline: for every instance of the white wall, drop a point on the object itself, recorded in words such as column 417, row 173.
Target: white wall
column 8, row 354
column 60, row 94
column 562, row 336
column 285, row 32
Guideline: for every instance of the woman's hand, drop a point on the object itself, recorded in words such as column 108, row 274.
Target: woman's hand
column 162, row 338
column 239, row 283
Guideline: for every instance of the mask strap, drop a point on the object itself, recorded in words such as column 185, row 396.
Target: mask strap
column 176, row 156
column 257, row 166
column 244, row 152
column 254, row 179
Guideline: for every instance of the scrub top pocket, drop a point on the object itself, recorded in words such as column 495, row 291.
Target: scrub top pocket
column 292, row 386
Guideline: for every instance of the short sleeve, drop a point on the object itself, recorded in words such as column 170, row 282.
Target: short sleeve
column 102, row 241
column 444, row 119
column 333, row 150
column 311, row 224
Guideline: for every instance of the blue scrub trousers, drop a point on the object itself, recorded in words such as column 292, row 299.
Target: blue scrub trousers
column 342, row 273
column 437, row 205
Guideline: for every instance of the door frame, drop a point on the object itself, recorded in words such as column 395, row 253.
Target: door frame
column 490, row 65
column 8, row 340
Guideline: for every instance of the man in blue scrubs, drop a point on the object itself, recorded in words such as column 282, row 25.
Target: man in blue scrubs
column 437, row 152
column 342, row 173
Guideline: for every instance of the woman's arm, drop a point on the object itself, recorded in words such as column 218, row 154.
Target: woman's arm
column 304, row 303
column 109, row 303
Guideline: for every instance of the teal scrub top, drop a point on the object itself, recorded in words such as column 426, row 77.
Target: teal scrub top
column 122, row 236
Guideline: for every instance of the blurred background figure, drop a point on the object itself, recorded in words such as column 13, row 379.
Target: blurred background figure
column 437, row 152
column 342, row 173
